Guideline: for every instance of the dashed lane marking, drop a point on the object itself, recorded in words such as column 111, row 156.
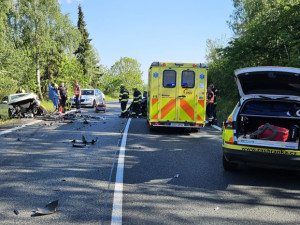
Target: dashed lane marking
column 116, row 218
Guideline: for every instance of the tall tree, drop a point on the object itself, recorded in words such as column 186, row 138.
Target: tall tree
column 84, row 45
column 43, row 32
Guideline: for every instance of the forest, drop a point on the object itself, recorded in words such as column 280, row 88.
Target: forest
column 265, row 33
column 41, row 45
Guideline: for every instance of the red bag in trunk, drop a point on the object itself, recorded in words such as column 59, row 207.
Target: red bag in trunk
column 273, row 133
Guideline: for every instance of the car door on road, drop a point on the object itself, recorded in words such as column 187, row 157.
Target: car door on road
column 4, row 107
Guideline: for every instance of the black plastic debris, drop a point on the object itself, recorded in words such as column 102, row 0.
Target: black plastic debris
column 77, row 145
column 48, row 209
column 19, row 139
column 84, row 141
column 85, row 121
column 16, row 212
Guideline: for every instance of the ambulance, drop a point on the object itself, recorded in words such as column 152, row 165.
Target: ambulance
column 177, row 95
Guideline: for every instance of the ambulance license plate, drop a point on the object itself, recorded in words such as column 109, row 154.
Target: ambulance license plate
column 177, row 124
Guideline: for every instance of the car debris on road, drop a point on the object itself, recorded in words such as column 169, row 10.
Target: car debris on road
column 48, row 209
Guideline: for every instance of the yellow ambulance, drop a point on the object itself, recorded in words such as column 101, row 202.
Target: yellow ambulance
column 177, row 95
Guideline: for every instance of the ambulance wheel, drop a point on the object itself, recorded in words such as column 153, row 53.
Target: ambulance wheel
column 151, row 128
column 228, row 166
column 195, row 130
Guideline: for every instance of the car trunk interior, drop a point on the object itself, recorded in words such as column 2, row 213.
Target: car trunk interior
column 255, row 113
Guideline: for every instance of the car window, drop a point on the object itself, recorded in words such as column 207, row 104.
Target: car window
column 188, row 79
column 169, row 78
column 87, row 92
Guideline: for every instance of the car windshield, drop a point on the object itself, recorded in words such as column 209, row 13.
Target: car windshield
column 87, row 92
column 16, row 96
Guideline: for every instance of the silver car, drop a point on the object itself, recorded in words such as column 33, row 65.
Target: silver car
column 89, row 98
column 21, row 105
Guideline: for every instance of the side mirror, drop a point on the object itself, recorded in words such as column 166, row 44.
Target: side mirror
column 4, row 102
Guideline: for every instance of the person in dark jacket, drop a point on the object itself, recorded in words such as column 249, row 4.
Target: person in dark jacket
column 210, row 105
column 136, row 104
column 123, row 99
column 63, row 96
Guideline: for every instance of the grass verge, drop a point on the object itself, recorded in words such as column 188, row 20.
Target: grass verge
column 48, row 105
column 109, row 98
column 7, row 121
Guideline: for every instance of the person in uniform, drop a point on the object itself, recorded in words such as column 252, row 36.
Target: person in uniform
column 123, row 99
column 215, row 91
column 210, row 105
column 136, row 104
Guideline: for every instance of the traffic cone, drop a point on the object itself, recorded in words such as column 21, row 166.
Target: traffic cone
column 60, row 110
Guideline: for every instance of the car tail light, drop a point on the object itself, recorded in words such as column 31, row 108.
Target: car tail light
column 228, row 125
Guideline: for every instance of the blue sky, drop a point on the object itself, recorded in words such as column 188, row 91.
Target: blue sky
column 154, row 30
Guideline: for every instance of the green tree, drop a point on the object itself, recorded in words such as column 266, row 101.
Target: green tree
column 84, row 46
column 267, row 33
column 126, row 71
column 43, row 33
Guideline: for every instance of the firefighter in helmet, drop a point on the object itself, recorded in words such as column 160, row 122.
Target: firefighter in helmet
column 123, row 99
column 136, row 104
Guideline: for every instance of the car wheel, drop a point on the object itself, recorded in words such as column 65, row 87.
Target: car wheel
column 94, row 104
column 228, row 166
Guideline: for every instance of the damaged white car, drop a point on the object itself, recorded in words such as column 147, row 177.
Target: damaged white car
column 21, row 105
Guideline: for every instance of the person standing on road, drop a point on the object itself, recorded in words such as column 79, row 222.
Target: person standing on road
column 123, row 99
column 77, row 93
column 53, row 95
column 63, row 96
column 215, row 91
column 210, row 105
column 136, row 105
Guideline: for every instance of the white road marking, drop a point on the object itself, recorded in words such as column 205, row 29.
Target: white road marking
column 17, row 128
column 216, row 127
column 116, row 218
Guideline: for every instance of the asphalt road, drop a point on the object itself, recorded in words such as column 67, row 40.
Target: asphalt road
column 171, row 176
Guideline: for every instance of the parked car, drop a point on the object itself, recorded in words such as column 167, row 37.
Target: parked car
column 21, row 105
column 89, row 98
column 263, row 128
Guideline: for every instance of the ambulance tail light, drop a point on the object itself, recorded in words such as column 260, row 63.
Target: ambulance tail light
column 228, row 125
